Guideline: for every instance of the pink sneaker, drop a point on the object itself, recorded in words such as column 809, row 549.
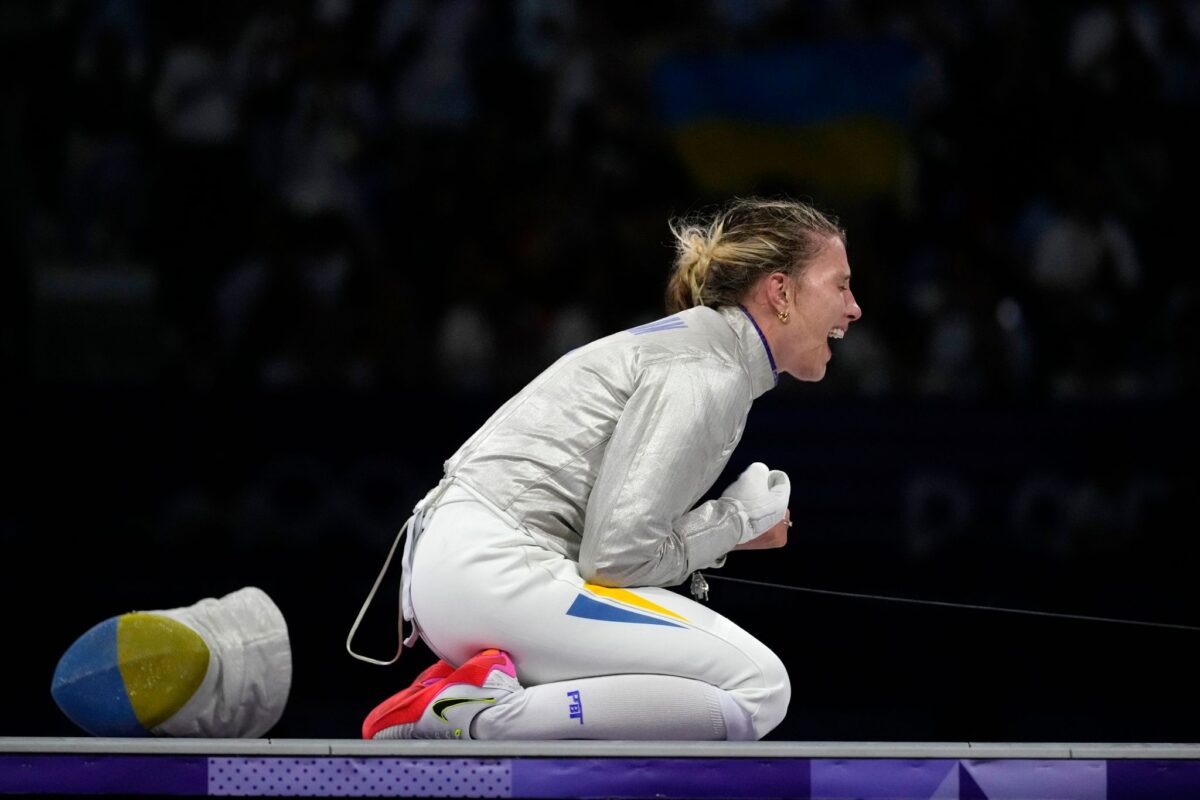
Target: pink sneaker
column 432, row 674
column 443, row 708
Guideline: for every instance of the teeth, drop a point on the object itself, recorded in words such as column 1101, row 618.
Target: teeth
column 837, row 333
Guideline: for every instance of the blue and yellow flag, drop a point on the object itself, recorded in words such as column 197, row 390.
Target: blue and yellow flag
column 830, row 117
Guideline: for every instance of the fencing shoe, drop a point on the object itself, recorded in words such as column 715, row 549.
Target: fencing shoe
column 444, row 708
column 436, row 673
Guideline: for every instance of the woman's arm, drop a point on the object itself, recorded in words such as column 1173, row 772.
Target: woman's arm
column 672, row 440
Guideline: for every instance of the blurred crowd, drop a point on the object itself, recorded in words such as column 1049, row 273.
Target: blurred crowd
column 432, row 199
column 450, row 193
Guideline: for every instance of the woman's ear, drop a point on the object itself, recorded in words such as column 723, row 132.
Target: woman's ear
column 779, row 291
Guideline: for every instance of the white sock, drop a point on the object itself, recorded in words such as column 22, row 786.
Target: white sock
column 614, row 707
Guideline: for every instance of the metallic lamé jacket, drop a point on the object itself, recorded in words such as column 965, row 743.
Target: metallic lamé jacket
column 604, row 456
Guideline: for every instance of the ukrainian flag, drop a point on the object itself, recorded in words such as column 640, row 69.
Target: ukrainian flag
column 829, row 118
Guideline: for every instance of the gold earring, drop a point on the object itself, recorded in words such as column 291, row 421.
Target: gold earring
column 783, row 315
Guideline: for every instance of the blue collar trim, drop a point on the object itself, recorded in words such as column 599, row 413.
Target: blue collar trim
column 767, row 347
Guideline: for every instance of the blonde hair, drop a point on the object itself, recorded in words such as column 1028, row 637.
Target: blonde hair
column 719, row 256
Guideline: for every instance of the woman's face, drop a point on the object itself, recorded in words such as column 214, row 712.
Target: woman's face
column 821, row 306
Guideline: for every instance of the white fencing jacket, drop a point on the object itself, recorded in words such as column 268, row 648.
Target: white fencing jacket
column 603, row 456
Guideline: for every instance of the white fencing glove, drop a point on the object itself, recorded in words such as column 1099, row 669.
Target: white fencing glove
column 764, row 496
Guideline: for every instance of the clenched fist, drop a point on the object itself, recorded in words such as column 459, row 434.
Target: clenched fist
column 763, row 494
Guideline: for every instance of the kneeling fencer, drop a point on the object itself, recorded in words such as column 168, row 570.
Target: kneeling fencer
column 535, row 568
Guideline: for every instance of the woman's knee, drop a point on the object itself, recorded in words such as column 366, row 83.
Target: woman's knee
column 768, row 697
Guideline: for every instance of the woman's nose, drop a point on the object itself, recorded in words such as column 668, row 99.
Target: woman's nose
column 854, row 311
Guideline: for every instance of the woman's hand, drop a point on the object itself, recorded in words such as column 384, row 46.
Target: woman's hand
column 775, row 536
column 763, row 495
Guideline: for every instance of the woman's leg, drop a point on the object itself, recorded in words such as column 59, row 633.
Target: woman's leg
column 596, row 662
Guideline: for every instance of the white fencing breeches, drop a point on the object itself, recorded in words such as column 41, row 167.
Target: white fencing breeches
column 596, row 662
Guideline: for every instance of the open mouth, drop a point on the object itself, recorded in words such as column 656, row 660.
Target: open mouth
column 837, row 333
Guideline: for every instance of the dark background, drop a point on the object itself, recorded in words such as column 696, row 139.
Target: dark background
column 266, row 265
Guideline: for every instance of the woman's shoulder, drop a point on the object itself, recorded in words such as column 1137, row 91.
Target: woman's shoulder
column 683, row 326
column 697, row 334
column 704, row 347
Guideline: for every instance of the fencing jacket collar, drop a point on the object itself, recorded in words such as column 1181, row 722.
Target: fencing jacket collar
column 755, row 352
